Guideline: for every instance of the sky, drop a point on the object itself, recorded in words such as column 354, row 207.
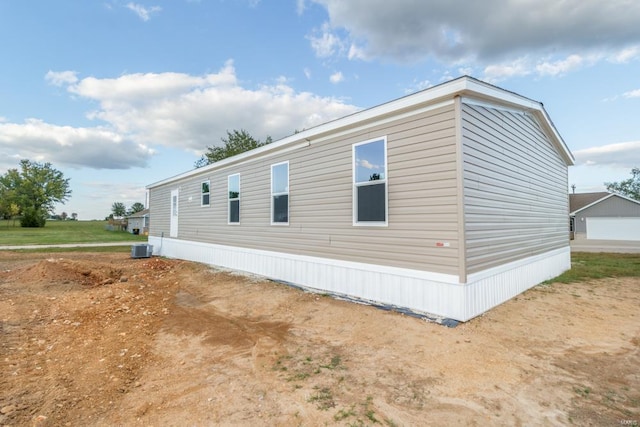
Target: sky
column 120, row 94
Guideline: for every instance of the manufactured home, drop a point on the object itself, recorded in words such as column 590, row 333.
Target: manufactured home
column 448, row 201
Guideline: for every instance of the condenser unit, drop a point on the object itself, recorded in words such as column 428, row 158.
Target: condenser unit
column 141, row 251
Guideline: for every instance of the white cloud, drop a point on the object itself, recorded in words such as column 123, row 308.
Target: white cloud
column 307, row 73
column 560, row 67
column 527, row 65
column 622, row 154
column 490, row 31
column 61, row 78
column 625, row 55
column 325, row 43
column 632, row 94
column 356, row 52
column 192, row 112
column 98, row 148
column 143, row 12
column 129, row 87
column 368, row 165
column 137, row 112
column 336, row 77
column 518, row 67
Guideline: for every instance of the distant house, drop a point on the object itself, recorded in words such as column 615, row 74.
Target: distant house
column 604, row 216
column 448, row 201
column 138, row 223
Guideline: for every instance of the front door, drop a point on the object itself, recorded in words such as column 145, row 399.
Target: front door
column 173, row 225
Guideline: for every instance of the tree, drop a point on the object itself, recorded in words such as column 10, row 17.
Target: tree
column 135, row 208
column 628, row 187
column 35, row 189
column 7, row 202
column 74, row 216
column 118, row 209
column 236, row 142
column 10, row 211
column 63, row 216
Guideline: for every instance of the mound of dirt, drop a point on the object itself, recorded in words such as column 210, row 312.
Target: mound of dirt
column 95, row 339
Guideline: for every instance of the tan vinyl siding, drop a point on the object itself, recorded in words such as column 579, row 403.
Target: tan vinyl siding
column 515, row 183
column 422, row 204
column 159, row 211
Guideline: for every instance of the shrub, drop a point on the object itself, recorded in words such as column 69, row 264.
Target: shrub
column 33, row 218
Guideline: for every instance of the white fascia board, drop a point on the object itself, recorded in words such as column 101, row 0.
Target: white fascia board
column 463, row 86
column 546, row 121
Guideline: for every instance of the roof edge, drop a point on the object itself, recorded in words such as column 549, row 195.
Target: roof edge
column 602, row 200
column 461, row 86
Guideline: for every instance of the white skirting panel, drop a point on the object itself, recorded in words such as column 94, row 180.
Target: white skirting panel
column 427, row 292
column 496, row 285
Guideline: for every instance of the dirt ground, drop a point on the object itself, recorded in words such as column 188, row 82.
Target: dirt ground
column 103, row 339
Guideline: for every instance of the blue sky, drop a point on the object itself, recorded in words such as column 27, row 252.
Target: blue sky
column 119, row 94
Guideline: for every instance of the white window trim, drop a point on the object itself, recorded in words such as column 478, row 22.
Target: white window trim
column 230, row 200
column 355, row 185
column 280, row 194
column 208, row 182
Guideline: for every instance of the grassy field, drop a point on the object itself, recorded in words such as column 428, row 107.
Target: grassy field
column 61, row 232
column 585, row 266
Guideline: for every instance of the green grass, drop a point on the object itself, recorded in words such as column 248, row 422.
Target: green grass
column 585, row 266
column 61, row 232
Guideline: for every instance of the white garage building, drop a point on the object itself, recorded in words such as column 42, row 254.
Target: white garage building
column 604, row 216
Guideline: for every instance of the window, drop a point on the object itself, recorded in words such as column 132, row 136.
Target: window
column 234, row 198
column 280, row 193
column 204, row 189
column 370, row 182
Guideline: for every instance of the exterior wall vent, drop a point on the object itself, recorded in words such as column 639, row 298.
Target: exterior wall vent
column 141, row 250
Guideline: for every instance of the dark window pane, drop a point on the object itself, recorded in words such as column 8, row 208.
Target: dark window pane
column 371, row 203
column 234, row 211
column 281, row 208
column 205, row 199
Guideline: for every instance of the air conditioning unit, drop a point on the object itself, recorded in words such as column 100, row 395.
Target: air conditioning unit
column 141, row 250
